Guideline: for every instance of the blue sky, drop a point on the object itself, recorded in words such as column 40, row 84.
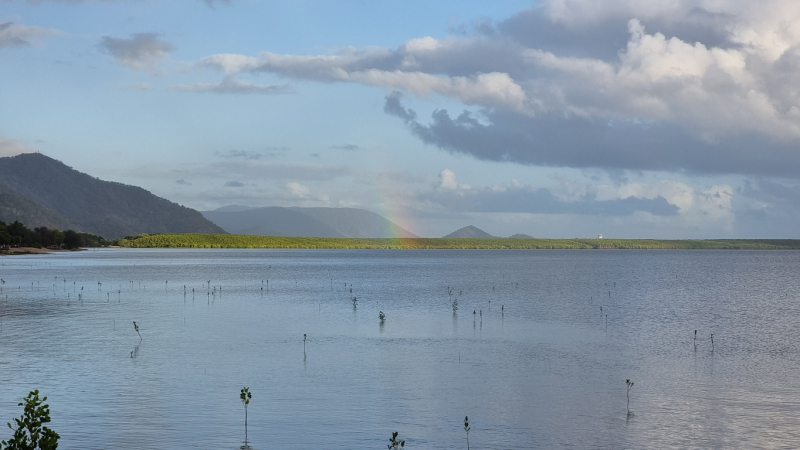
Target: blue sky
column 557, row 118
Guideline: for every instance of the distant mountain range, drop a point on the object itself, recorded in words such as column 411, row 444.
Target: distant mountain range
column 40, row 191
column 469, row 232
column 306, row 222
column 475, row 232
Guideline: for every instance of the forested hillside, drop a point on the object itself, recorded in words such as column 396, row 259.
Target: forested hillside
column 41, row 191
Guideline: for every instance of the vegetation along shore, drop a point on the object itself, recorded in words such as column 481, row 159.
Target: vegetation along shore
column 192, row 240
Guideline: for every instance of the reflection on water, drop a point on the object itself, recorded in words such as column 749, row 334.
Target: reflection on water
column 550, row 375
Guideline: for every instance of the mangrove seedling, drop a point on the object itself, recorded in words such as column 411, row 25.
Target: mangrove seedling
column 381, row 316
column 629, row 383
column 245, row 397
column 30, row 432
column 467, row 428
column 455, row 305
column 695, row 338
column 394, row 443
column 136, row 327
column 304, row 343
column 355, row 301
column 712, row 342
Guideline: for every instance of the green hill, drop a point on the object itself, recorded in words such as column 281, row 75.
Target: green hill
column 39, row 190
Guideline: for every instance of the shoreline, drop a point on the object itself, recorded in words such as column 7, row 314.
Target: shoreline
column 33, row 251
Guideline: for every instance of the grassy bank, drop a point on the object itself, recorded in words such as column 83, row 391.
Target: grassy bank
column 240, row 241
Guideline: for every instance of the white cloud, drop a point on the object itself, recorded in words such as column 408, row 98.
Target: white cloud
column 447, row 181
column 298, row 189
column 705, row 73
column 10, row 147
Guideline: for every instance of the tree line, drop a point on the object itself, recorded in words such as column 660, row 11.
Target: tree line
column 197, row 240
column 18, row 235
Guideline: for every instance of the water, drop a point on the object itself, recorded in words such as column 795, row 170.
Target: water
column 541, row 368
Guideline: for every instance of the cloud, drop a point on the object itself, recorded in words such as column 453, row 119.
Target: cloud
column 10, row 147
column 142, row 51
column 212, row 3
column 234, row 184
column 380, row 67
column 447, row 181
column 18, row 35
column 248, row 155
column 583, row 142
column 518, row 198
column 298, row 189
column 691, row 85
column 138, row 87
column 345, row 147
column 183, row 182
column 234, row 86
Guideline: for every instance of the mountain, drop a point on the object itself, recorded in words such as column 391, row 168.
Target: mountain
column 469, row 232
column 520, row 236
column 15, row 206
column 356, row 223
column 307, row 222
column 269, row 221
column 40, row 191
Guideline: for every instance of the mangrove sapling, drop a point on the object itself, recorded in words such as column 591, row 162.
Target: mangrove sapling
column 695, row 338
column 29, row 433
column 245, row 396
column 304, row 343
column 381, row 316
column 394, row 443
column 712, row 342
column 467, row 428
column 355, row 300
column 136, row 327
column 629, row 384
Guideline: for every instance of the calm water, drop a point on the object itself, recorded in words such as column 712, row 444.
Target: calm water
column 540, row 368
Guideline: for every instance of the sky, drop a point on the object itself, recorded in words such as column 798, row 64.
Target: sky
column 555, row 118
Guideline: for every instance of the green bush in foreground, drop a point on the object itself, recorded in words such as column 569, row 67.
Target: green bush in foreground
column 30, row 434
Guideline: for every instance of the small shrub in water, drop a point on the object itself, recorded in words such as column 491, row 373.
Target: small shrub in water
column 245, row 396
column 29, row 433
column 394, row 443
column 467, row 428
column 629, row 383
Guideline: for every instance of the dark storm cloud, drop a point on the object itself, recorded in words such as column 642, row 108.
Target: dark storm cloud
column 183, row 182
column 554, row 140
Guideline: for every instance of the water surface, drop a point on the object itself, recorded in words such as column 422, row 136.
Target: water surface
column 537, row 366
